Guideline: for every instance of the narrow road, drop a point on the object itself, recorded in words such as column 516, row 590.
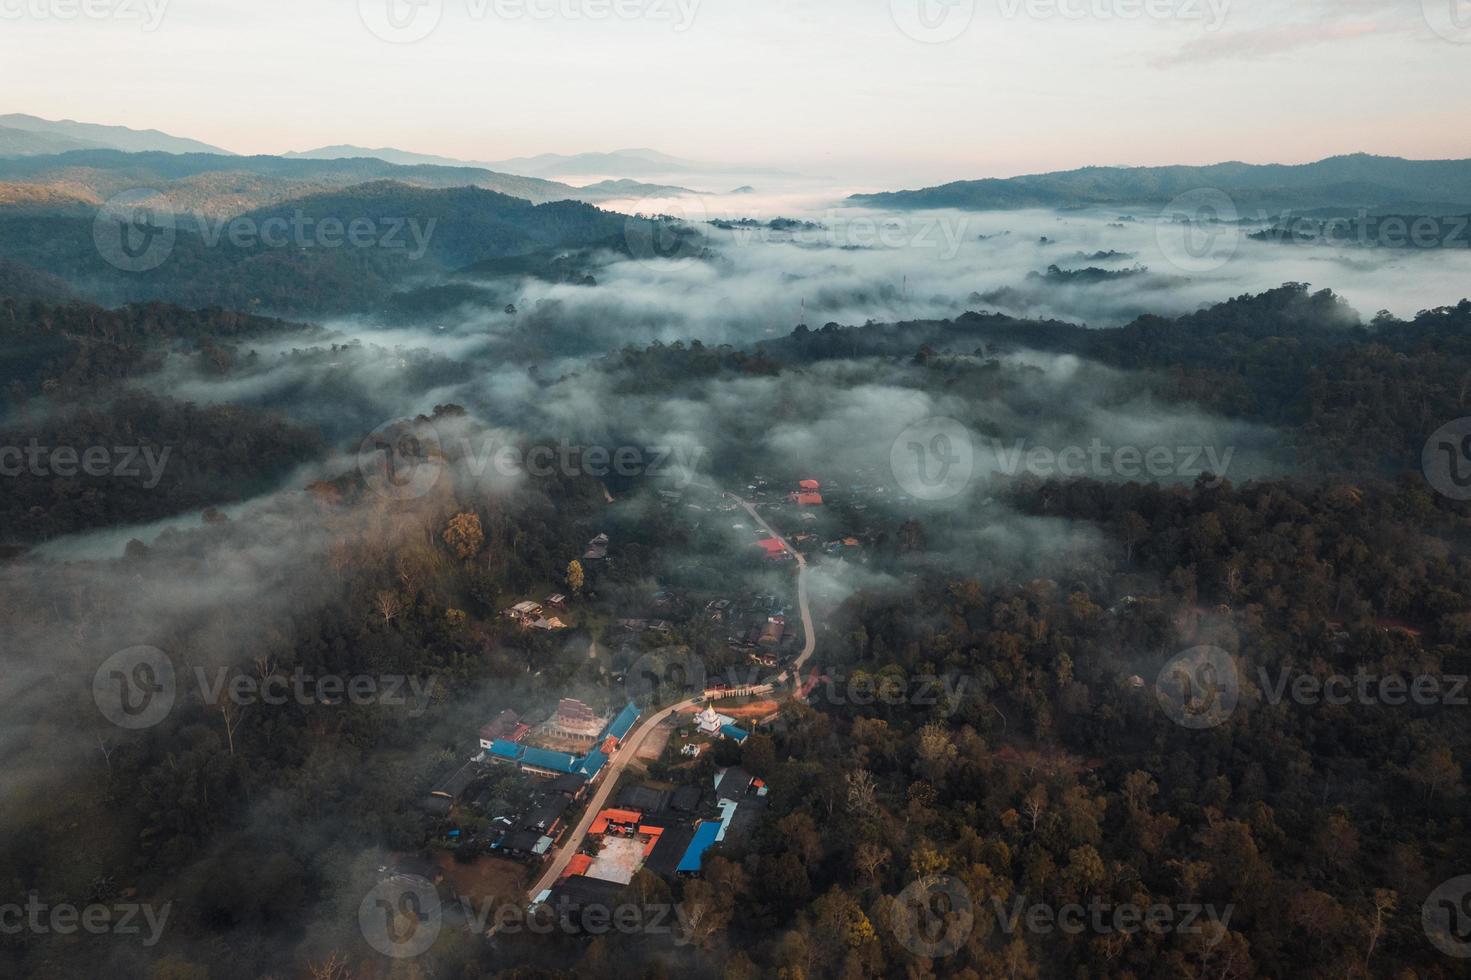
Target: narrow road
column 627, row 753
column 802, row 604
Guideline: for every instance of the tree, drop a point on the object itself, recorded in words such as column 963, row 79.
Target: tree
column 388, row 604
column 574, row 575
column 464, row 535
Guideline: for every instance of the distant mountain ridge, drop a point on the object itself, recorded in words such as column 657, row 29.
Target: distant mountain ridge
column 214, row 184
column 60, row 135
column 1356, row 180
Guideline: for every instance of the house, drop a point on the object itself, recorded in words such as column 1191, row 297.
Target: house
column 504, row 727
column 546, row 819
column 733, row 783
column 809, row 486
column 644, row 799
column 736, row 735
column 453, row 786
column 771, row 633
column 807, row 499
column 572, row 785
column 524, row 845
column 557, row 600
column 524, row 613
column 551, row 625
column 773, row 547
column 694, row 855
column 597, row 549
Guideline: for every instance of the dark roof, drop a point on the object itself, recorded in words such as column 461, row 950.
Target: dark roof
column 454, row 785
column 686, row 799
column 435, row 805
column 570, row 783
column 524, row 841
column 576, row 893
column 548, row 813
column 665, row 857
column 645, row 799
column 734, row 784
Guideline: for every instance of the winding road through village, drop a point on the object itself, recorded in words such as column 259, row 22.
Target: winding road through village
column 628, row 751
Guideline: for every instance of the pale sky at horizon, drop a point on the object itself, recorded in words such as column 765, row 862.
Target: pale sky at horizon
column 833, row 87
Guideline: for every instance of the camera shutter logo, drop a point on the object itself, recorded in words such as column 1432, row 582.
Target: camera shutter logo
column 401, row 917
column 933, row 917
column 401, row 460
column 933, row 459
column 671, row 235
column 933, row 21
column 1199, row 688
column 135, row 231
column 664, row 673
column 1446, row 459
column 135, row 688
column 401, row 21
column 1449, row 19
column 1199, row 231
column 1446, row 917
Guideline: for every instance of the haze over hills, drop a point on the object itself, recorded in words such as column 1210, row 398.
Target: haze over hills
column 219, row 185
column 56, row 136
column 1358, row 180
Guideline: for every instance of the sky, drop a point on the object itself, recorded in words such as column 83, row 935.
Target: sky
column 884, row 92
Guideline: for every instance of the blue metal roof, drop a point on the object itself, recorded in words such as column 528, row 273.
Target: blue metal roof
column 592, row 763
column 734, row 734
column 549, row 760
column 502, row 749
column 705, row 836
column 620, row 725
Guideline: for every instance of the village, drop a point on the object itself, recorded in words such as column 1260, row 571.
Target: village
column 599, row 794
